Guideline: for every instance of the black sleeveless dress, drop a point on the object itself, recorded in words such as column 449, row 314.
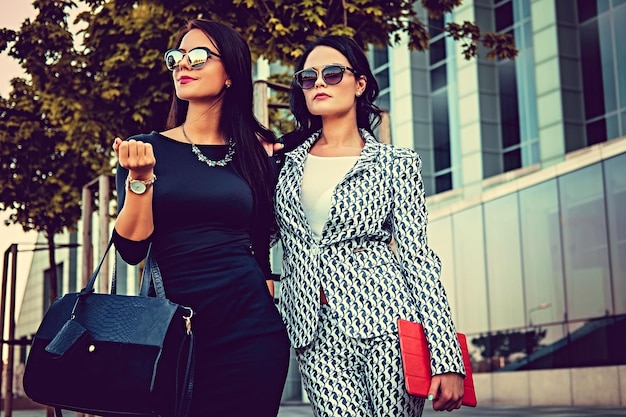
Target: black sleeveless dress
column 202, row 244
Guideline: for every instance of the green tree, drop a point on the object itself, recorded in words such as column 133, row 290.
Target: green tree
column 47, row 151
column 124, row 41
column 57, row 126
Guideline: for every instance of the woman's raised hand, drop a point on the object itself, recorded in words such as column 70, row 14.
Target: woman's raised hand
column 136, row 156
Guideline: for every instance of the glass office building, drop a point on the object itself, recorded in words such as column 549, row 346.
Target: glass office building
column 524, row 162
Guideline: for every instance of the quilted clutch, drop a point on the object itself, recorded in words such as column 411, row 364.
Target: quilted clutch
column 416, row 362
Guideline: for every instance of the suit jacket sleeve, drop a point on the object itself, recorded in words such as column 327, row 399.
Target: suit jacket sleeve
column 421, row 264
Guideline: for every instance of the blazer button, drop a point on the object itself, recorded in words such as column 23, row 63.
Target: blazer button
column 315, row 250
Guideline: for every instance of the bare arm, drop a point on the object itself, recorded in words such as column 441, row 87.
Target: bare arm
column 135, row 220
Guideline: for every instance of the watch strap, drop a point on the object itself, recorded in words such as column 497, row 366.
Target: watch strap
column 146, row 184
column 149, row 181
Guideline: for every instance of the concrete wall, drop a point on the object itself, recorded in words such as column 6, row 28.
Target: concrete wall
column 597, row 386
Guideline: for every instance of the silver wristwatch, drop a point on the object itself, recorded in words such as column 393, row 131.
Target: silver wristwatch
column 139, row 186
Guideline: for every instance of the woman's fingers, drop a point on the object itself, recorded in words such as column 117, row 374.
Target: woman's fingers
column 136, row 156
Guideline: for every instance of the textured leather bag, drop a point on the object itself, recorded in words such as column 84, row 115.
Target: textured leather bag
column 114, row 355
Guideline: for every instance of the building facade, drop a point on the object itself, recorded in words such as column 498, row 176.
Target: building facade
column 524, row 162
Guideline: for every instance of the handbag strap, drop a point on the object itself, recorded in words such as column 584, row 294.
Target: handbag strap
column 151, row 275
column 89, row 288
column 183, row 400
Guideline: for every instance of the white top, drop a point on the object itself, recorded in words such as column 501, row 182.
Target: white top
column 321, row 176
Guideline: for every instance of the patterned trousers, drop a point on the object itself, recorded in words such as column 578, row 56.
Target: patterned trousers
column 348, row 377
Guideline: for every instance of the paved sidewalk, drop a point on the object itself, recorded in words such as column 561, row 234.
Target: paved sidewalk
column 488, row 411
column 485, row 411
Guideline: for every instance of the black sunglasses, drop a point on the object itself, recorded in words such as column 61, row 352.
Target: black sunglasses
column 196, row 57
column 331, row 74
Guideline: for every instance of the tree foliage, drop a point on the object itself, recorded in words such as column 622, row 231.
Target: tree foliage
column 47, row 153
column 82, row 90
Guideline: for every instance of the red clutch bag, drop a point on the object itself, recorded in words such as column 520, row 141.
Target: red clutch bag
column 416, row 362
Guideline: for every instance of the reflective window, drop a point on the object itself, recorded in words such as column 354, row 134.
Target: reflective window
column 585, row 248
column 380, row 56
column 440, row 110
column 587, row 9
column 382, row 77
column 541, row 252
column 435, row 26
column 596, row 132
column 437, row 51
column 504, row 16
column 438, row 78
column 516, row 88
column 544, row 348
column 609, row 80
column 512, row 159
column 615, row 185
column 603, row 61
column 591, row 67
column 504, row 264
column 509, row 111
column 597, row 342
column 545, row 269
column 383, row 102
column 441, row 131
column 469, row 264
column 443, row 181
column 619, row 15
column 538, row 347
column 441, row 141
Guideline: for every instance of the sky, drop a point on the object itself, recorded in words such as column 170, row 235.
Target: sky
column 14, row 12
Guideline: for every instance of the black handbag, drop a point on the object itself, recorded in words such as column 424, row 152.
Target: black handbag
column 114, row 355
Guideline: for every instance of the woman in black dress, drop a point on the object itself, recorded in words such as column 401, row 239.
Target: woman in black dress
column 201, row 192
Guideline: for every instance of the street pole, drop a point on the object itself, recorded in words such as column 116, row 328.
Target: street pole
column 8, row 386
column 5, row 277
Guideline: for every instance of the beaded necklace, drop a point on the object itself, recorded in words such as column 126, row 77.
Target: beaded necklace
column 202, row 158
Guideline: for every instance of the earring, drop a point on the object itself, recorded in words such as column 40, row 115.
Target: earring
column 358, row 94
column 228, row 84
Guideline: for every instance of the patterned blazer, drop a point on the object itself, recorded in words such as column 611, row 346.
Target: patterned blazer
column 367, row 285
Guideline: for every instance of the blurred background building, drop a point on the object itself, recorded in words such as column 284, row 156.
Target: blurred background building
column 525, row 167
column 524, row 164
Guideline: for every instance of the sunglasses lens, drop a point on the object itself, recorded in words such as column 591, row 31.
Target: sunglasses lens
column 197, row 57
column 332, row 75
column 306, row 79
column 173, row 58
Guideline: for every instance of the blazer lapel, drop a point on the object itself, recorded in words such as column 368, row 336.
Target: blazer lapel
column 367, row 157
column 366, row 160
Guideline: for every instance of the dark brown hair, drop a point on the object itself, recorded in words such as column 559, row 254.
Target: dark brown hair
column 237, row 121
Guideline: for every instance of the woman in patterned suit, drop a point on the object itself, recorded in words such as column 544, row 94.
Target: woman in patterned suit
column 340, row 199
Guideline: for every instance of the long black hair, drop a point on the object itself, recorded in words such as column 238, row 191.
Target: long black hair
column 367, row 113
column 237, row 121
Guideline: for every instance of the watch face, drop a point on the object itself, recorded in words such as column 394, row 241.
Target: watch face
column 138, row 187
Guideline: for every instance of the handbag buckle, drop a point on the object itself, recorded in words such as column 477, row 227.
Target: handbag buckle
column 188, row 321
